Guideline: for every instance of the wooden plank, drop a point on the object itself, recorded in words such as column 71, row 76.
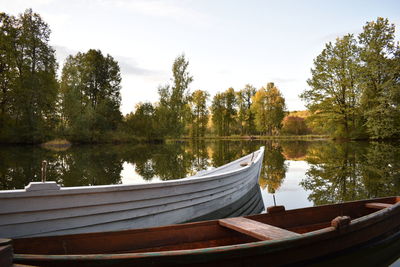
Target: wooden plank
column 378, row 206
column 6, row 255
column 256, row 229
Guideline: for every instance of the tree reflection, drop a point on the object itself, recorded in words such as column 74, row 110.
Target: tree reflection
column 338, row 171
column 350, row 171
column 295, row 150
column 274, row 168
column 87, row 165
column 381, row 170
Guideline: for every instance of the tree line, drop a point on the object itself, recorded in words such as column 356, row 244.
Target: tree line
column 83, row 105
column 355, row 85
column 181, row 113
column 34, row 105
column 354, row 93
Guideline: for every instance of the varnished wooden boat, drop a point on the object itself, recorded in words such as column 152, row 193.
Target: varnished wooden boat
column 46, row 209
column 279, row 237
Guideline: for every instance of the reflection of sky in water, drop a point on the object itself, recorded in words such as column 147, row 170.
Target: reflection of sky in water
column 130, row 176
column 290, row 194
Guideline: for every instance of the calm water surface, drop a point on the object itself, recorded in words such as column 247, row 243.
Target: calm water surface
column 296, row 173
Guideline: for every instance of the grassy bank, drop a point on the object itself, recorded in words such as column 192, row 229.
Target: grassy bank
column 256, row 137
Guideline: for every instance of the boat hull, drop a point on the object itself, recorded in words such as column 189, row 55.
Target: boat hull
column 59, row 211
column 366, row 231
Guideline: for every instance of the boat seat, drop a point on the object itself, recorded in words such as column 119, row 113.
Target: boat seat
column 256, row 229
column 378, row 206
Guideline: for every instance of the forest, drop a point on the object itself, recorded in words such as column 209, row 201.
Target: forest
column 354, row 93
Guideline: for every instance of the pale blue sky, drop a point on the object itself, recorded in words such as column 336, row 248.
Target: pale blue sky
column 228, row 43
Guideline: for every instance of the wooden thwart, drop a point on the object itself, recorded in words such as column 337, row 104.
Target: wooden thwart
column 256, row 229
column 378, row 206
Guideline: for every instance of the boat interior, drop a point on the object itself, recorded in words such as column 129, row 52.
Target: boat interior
column 276, row 223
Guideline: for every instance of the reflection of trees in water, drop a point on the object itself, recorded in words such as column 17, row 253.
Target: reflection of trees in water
column 199, row 156
column 95, row 165
column 381, row 169
column 166, row 161
column 77, row 166
column 19, row 166
column 349, row 171
column 91, row 165
column 294, row 150
column 274, row 168
column 142, row 157
column 338, row 171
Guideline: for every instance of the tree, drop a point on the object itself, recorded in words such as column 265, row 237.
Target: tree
column 269, row 109
column 230, row 110
column 28, row 78
column 173, row 104
column 380, row 79
column 8, row 72
column 294, row 125
column 245, row 114
column 199, row 113
column 223, row 111
column 217, row 111
column 355, row 88
column 333, row 97
column 90, row 90
column 142, row 123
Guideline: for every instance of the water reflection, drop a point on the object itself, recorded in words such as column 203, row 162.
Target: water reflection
column 350, row 171
column 321, row 171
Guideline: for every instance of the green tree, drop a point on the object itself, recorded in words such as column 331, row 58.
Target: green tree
column 8, row 73
column 223, row 109
column 173, row 104
column 333, row 97
column 28, row 78
column 230, row 111
column 217, row 111
column 199, row 113
column 380, row 79
column 90, row 93
column 269, row 109
column 142, row 123
column 245, row 114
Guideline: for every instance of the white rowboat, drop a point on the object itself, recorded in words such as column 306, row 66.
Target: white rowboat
column 43, row 209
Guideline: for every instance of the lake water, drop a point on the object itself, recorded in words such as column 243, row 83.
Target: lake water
column 295, row 173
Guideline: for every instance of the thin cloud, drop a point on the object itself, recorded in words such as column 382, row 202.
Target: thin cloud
column 130, row 67
column 127, row 65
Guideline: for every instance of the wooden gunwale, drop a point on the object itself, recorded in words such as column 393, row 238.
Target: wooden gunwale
column 320, row 242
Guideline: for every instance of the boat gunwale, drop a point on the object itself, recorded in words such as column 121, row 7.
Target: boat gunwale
column 216, row 191
column 218, row 195
column 76, row 190
column 278, row 244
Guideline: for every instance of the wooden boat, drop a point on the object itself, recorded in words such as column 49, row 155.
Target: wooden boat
column 279, row 237
column 44, row 209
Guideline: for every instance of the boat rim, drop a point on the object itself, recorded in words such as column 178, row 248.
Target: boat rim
column 355, row 224
column 139, row 186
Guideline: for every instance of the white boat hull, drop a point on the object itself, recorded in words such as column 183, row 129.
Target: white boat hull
column 46, row 209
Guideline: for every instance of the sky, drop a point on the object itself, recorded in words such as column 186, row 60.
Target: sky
column 227, row 43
